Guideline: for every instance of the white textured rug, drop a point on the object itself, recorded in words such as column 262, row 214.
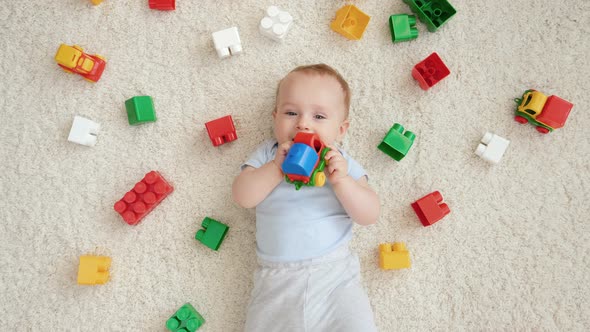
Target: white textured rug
column 512, row 255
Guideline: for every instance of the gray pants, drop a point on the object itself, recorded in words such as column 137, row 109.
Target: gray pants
column 319, row 294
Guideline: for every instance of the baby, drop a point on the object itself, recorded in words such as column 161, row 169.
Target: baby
column 307, row 278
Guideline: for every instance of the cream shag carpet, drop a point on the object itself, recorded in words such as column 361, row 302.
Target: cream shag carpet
column 512, row 255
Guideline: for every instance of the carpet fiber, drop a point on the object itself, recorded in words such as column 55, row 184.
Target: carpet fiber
column 513, row 254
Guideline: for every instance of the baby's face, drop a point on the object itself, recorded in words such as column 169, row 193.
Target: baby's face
column 312, row 103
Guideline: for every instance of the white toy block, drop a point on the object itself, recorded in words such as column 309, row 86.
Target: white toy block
column 227, row 42
column 83, row 131
column 276, row 23
column 492, row 148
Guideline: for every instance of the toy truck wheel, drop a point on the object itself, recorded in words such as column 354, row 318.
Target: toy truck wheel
column 542, row 130
column 319, row 179
column 520, row 119
column 89, row 80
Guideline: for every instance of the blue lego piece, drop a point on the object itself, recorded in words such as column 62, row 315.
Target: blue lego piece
column 300, row 160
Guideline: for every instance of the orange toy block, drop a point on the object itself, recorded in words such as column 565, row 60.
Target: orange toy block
column 350, row 22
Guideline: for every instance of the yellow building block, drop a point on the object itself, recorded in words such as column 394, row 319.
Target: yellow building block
column 350, row 22
column 93, row 270
column 394, row 256
column 534, row 101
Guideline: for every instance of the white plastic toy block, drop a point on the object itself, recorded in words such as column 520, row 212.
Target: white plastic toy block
column 83, row 131
column 227, row 42
column 276, row 23
column 492, row 148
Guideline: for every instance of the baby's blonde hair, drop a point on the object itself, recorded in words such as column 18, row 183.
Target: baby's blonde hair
column 324, row 69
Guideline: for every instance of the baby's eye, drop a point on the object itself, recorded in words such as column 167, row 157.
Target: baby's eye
column 290, row 113
column 320, row 117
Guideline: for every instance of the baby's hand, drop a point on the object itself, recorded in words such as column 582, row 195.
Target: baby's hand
column 282, row 151
column 337, row 166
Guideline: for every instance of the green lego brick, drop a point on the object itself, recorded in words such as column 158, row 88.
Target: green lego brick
column 433, row 13
column 396, row 143
column 403, row 27
column 186, row 319
column 213, row 233
column 140, row 109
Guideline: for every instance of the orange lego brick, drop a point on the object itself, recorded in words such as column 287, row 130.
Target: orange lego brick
column 350, row 22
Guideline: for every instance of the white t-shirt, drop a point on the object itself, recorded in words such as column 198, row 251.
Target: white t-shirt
column 294, row 225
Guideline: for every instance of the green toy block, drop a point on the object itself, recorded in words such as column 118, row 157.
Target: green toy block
column 186, row 319
column 213, row 233
column 395, row 144
column 140, row 109
column 433, row 13
column 403, row 27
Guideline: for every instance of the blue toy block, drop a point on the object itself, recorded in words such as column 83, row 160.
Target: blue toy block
column 300, row 160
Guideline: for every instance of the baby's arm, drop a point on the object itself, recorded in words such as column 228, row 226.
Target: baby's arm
column 358, row 199
column 253, row 184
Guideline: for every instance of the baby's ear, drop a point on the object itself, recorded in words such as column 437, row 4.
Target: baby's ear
column 343, row 128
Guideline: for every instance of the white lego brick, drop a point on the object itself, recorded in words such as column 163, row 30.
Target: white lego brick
column 276, row 23
column 83, row 131
column 227, row 42
column 492, row 148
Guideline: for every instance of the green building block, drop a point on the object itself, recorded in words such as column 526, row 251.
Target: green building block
column 433, row 13
column 213, row 233
column 403, row 27
column 186, row 319
column 396, row 143
column 140, row 109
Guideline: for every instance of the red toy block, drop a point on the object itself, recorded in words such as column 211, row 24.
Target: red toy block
column 430, row 71
column 143, row 198
column 221, row 130
column 555, row 112
column 162, row 4
column 429, row 208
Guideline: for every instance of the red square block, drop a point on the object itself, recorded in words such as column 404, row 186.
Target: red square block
column 430, row 71
column 143, row 198
column 430, row 208
column 555, row 112
column 221, row 130
column 162, row 4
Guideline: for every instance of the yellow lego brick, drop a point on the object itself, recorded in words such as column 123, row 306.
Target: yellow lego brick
column 394, row 256
column 93, row 270
column 350, row 22
column 532, row 103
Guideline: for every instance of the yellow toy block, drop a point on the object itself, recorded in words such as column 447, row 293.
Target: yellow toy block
column 93, row 270
column 350, row 22
column 394, row 256
column 533, row 100
column 96, row 2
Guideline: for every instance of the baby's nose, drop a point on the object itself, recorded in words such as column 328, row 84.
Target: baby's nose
column 302, row 124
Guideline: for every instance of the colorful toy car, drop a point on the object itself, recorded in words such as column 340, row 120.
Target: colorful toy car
column 546, row 113
column 72, row 59
column 305, row 162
